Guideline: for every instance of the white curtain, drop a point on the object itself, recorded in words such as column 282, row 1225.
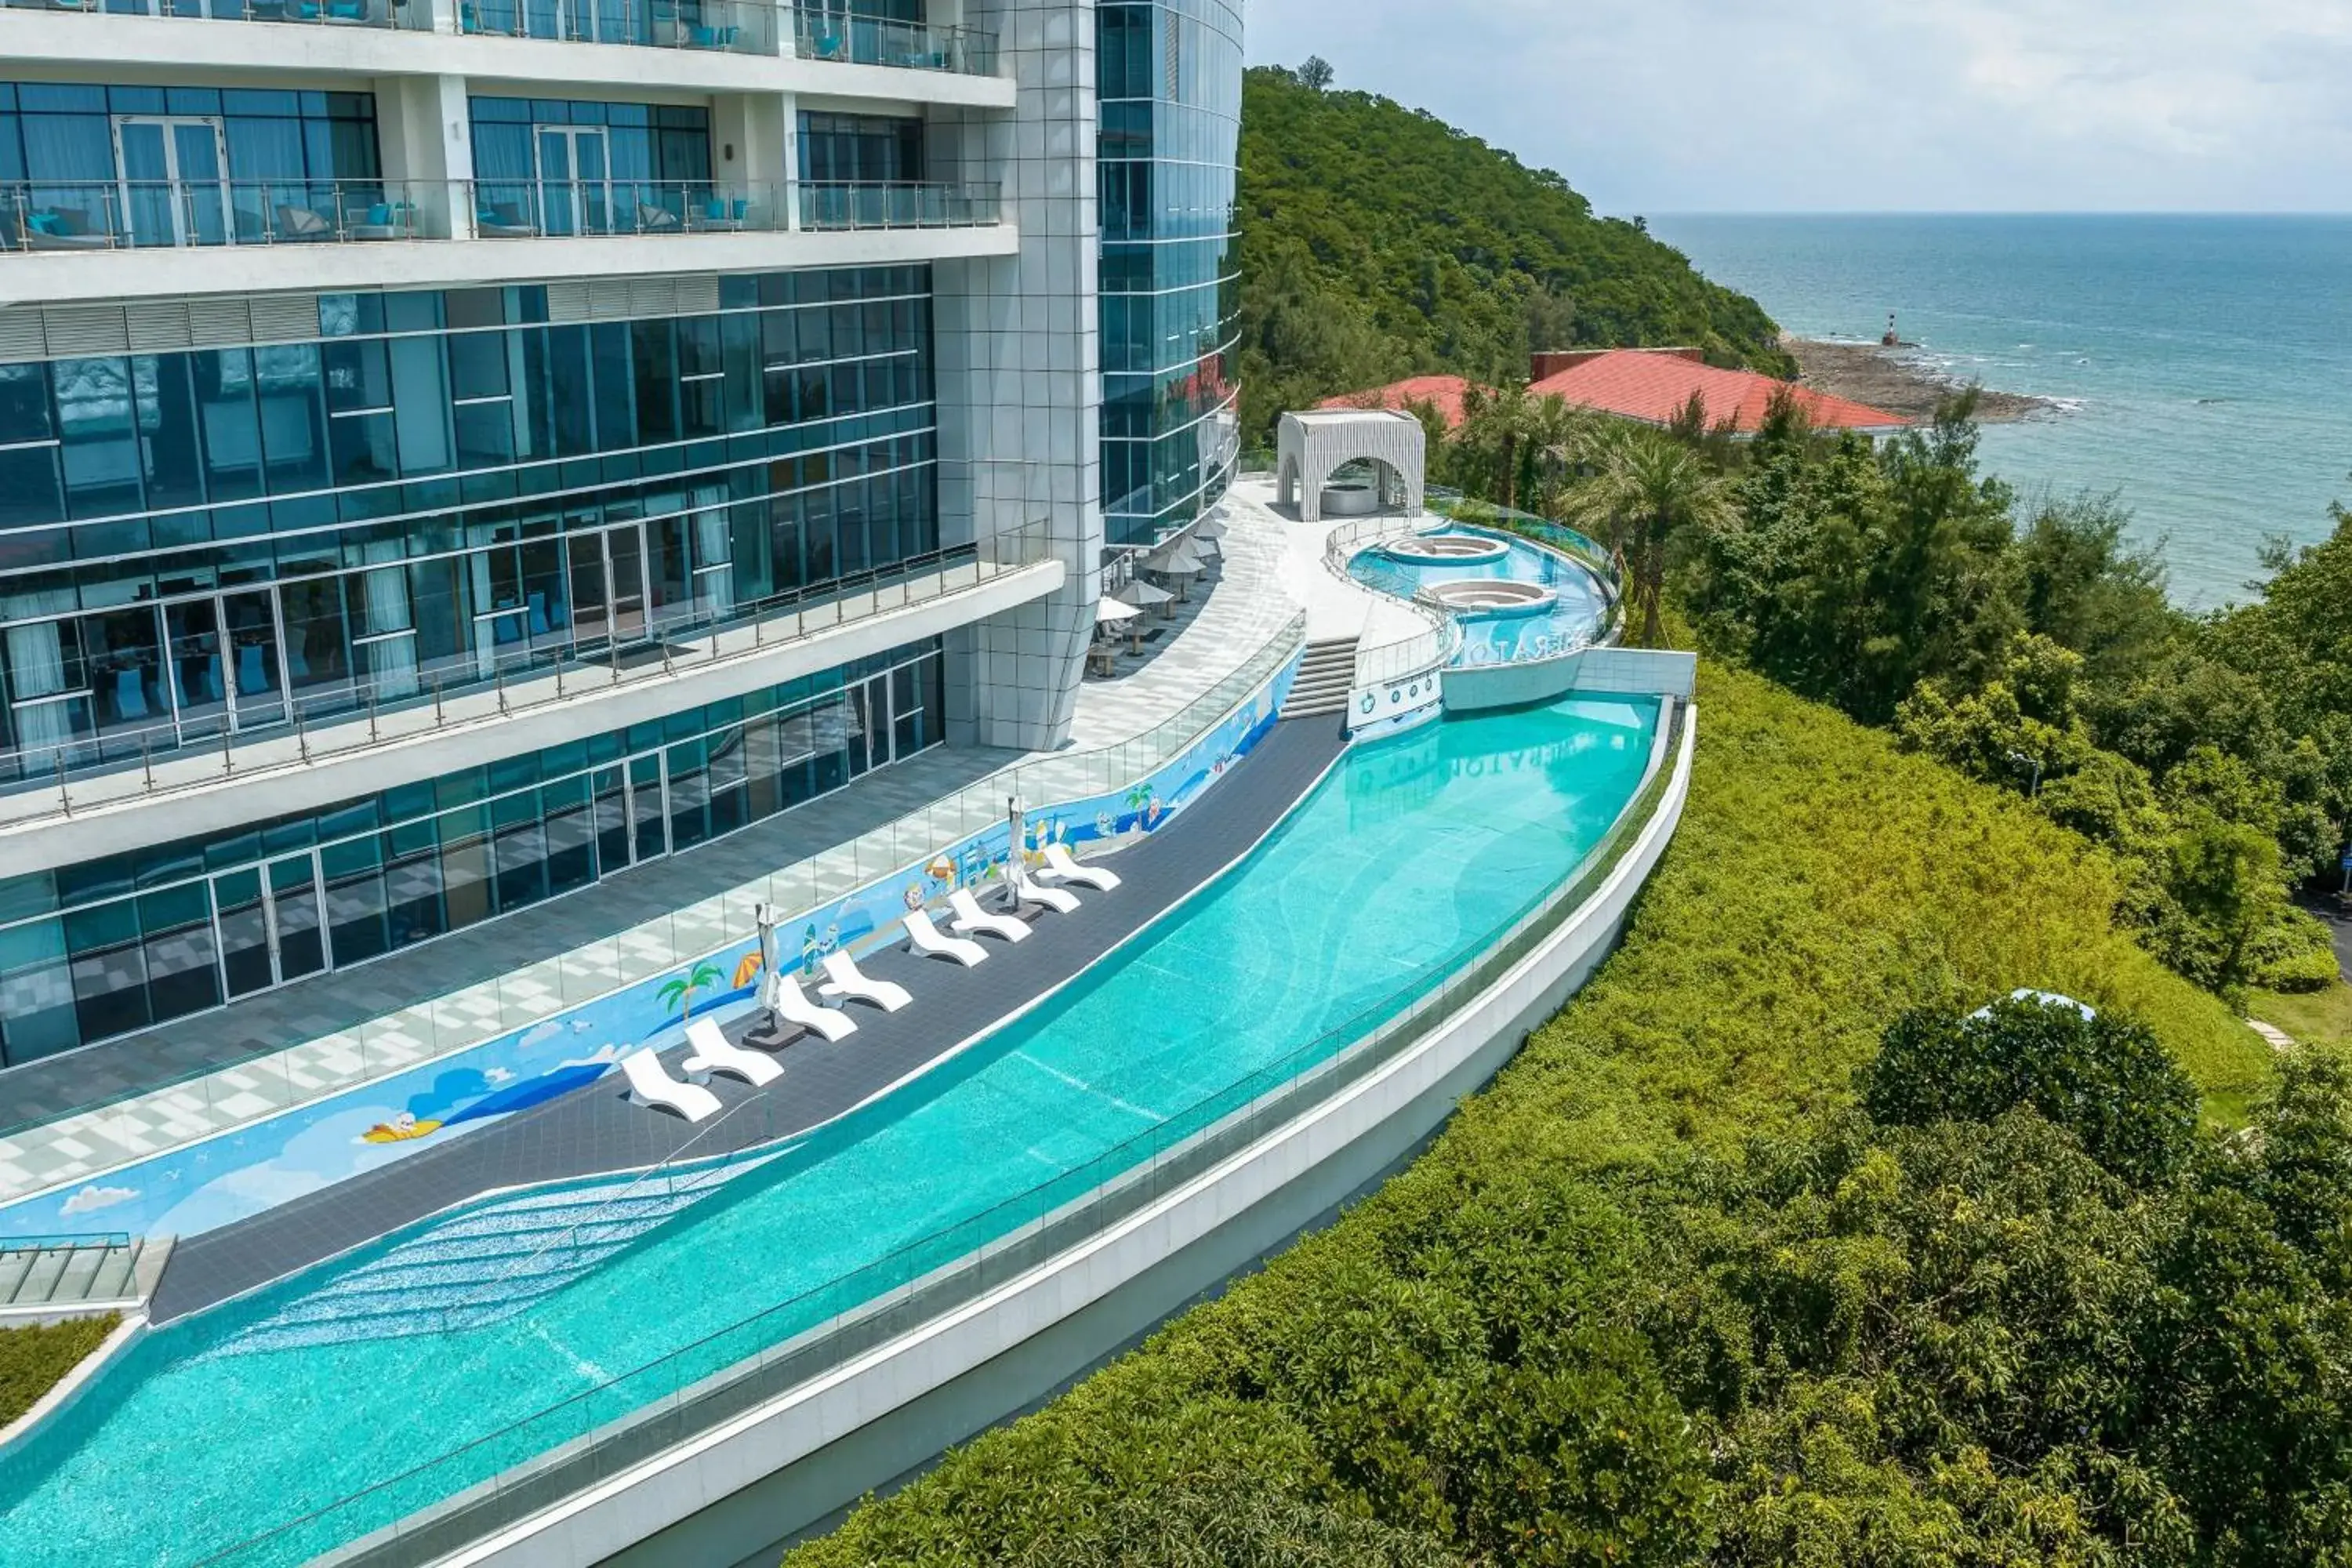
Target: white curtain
column 393, row 661
column 711, row 541
column 37, row 670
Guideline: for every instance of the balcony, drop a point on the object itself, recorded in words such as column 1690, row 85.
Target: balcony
column 49, row 216
column 230, row 711
column 759, row 28
column 871, row 41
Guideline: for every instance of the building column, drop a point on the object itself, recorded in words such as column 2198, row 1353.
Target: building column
column 1017, row 350
column 424, row 133
column 755, row 138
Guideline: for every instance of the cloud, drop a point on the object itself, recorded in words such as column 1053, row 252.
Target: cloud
column 603, row 1056
column 540, row 1033
column 1704, row 105
column 90, row 1200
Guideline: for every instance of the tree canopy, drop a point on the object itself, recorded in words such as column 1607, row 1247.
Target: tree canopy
column 1379, row 243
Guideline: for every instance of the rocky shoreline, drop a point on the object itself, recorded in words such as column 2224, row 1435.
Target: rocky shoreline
column 1895, row 380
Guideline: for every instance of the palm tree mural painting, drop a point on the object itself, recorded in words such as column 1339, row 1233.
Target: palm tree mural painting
column 701, row 977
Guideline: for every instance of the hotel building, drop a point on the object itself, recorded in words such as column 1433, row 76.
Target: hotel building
column 455, row 451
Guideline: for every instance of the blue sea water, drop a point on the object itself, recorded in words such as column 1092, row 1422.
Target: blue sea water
column 2205, row 362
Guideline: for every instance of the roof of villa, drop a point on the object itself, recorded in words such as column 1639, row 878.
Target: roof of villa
column 1445, row 393
column 1657, row 387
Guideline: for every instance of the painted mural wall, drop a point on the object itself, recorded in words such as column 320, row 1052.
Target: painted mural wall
column 204, row 1185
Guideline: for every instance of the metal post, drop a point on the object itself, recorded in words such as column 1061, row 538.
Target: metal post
column 147, row 762
column 228, row 764
column 498, row 678
column 64, row 801
column 301, row 736
column 437, row 701
column 373, row 735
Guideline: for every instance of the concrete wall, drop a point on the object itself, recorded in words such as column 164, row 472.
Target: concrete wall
column 1018, row 342
column 737, row 1493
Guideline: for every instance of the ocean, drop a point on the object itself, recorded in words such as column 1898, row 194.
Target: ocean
column 2204, row 363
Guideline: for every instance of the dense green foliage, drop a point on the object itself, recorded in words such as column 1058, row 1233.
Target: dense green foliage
column 2213, row 754
column 1662, row 1295
column 1378, row 243
column 2104, row 1078
column 35, row 1360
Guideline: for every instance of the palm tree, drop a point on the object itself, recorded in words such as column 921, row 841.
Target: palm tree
column 1496, row 431
column 681, row 990
column 1648, row 491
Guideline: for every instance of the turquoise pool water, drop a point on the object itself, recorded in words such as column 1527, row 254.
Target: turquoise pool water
column 1573, row 620
column 1408, row 858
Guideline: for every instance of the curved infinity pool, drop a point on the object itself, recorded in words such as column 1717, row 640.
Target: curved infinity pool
column 441, row 1356
column 1574, row 620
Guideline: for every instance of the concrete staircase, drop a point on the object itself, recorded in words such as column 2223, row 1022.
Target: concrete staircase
column 75, row 1276
column 1324, row 679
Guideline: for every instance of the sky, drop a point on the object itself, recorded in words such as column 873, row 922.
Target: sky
column 1665, row 106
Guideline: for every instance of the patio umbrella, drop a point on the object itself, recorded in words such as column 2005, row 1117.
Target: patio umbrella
column 1143, row 596
column 1208, row 550
column 766, row 915
column 1110, row 612
column 1210, row 529
column 1013, row 861
column 1178, row 559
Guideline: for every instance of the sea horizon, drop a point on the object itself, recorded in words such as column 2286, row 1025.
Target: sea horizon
column 2195, row 360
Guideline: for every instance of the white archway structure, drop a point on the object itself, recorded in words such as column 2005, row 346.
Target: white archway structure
column 1316, row 444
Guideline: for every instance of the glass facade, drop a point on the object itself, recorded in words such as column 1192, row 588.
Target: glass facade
column 178, row 165
column 556, row 167
column 860, row 147
column 1171, row 84
column 440, row 488
column 116, row 945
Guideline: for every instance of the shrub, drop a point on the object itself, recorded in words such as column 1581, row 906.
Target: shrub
column 2105, row 1078
column 1608, row 1318
column 35, row 1360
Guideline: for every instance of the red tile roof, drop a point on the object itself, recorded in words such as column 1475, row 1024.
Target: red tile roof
column 1445, row 392
column 1657, row 387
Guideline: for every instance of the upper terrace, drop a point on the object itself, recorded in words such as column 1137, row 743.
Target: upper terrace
column 706, row 43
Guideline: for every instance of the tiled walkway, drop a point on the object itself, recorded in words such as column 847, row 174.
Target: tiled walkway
column 596, row 1129
column 337, row 1031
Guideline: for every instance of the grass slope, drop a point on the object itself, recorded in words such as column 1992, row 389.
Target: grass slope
column 1378, row 242
column 35, row 1360
column 1821, row 883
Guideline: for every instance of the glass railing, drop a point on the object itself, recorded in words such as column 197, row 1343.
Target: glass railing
column 593, row 1436
column 119, row 215
column 873, row 204
column 873, row 41
column 471, row 1015
column 722, row 25
column 143, row 215
column 409, row 13
column 78, row 769
column 1431, row 647
column 731, row 26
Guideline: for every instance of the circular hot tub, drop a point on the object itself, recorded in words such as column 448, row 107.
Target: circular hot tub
column 1445, row 550
column 1489, row 596
column 1350, row 497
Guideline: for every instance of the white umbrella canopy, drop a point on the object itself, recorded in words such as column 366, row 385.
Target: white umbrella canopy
column 1178, row 558
column 1208, row 550
column 1110, row 612
column 1210, row 529
column 1145, row 595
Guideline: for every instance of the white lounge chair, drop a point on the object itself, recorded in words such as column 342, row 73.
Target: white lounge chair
column 1061, row 866
column 972, row 921
column 1054, row 899
column 791, row 1005
column 850, row 984
column 714, row 1052
column 926, row 938
column 650, row 1082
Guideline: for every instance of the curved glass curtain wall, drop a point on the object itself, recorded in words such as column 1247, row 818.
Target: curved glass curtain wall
column 1170, row 86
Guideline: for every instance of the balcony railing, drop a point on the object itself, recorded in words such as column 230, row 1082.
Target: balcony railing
column 119, row 215
column 122, row 215
column 82, row 766
column 410, row 14
column 872, row 41
column 726, row 26
column 732, row 27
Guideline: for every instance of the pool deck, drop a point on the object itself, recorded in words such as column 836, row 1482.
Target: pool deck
column 596, row 1131
column 90, row 1112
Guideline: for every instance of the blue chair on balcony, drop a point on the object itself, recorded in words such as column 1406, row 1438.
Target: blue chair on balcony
column 129, row 700
column 251, row 679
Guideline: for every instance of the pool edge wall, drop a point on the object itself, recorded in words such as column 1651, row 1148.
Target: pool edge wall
column 741, row 1492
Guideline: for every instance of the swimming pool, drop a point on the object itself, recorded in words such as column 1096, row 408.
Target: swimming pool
column 1409, row 859
column 1574, row 618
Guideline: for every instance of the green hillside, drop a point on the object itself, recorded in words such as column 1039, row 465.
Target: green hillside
column 1378, row 242
column 1672, row 1291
